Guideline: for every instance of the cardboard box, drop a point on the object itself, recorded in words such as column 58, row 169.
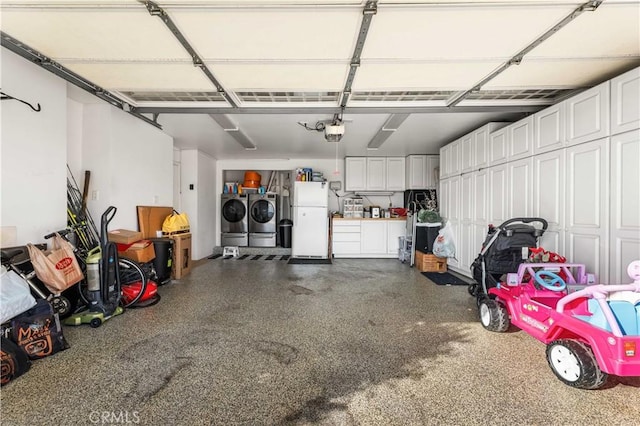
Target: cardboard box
column 181, row 264
column 151, row 218
column 430, row 262
column 140, row 251
column 124, row 236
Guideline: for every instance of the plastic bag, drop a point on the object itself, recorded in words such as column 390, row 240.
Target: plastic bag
column 175, row 223
column 444, row 245
column 57, row 268
column 15, row 296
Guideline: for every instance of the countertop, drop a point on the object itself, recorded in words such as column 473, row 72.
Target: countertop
column 369, row 218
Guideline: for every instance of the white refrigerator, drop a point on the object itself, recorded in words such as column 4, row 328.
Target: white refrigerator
column 310, row 232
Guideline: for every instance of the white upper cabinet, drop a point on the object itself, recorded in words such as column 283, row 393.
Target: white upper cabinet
column 625, row 102
column 467, row 153
column 421, row 171
column 549, row 125
column 498, row 147
column 520, row 176
column 454, row 159
column 480, row 151
column 445, row 151
column 376, row 173
column 355, row 174
column 588, row 115
column 520, row 139
column 395, row 174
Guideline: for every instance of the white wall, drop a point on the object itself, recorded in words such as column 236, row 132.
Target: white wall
column 131, row 162
column 33, row 150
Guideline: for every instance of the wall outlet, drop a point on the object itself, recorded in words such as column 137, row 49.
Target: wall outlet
column 335, row 185
column 95, row 195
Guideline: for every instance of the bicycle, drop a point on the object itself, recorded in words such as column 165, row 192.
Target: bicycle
column 13, row 260
column 129, row 271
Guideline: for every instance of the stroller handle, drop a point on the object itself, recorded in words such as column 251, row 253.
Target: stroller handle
column 544, row 223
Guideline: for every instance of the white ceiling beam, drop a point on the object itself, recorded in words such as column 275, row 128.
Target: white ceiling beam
column 388, row 128
column 233, row 130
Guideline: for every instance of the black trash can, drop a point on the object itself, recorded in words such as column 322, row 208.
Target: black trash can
column 286, row 226
column 162, row 263
column 426, row 234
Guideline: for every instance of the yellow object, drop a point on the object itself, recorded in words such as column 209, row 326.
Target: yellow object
column 175, row 223
column 239, row 189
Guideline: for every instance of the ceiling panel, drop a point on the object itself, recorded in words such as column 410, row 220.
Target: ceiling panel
column 411, row 76
column 285, row 77
column 270, row 34
column 144, row 77
column 607, row 31
column 560, row 73
column 127, row 34
column 457, row 33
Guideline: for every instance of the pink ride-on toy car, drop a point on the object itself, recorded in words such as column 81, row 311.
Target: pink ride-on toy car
column 590, row 331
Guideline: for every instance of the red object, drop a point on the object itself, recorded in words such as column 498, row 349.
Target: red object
column 399, row 211
column 131, row 291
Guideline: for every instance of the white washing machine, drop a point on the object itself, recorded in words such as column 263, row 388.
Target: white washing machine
column 234, row 224
column 263, row 223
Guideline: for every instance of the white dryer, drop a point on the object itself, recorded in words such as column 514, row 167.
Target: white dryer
column 234, row 224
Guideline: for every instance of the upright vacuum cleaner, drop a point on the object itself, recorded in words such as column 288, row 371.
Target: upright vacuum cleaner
column 103, row 280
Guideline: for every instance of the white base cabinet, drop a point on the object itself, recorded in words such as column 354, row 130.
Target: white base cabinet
column 367, row 238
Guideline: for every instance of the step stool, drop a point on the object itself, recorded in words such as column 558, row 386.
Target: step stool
column 230, row 251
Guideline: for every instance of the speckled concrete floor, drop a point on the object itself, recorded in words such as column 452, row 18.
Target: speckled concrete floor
column 367, row 342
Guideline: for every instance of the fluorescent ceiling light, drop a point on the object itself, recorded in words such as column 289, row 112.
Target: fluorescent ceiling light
column 224, row 122
column 394, row 121
column 391, row 125
column 232, row 128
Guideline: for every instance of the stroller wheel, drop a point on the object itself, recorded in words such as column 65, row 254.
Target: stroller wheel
column 473, row 289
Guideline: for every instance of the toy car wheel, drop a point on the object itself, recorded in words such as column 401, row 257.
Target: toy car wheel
column 574, row 364
column 95, row 322
column 493, row 315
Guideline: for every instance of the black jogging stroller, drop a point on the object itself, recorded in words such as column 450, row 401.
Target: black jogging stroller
column 503, row 251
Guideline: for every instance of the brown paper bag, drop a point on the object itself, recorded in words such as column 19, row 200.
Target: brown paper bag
column 58, row 268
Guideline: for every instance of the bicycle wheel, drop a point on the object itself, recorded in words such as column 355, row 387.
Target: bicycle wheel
column 133, row 281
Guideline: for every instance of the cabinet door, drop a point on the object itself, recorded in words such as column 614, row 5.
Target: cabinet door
column 549, row 129
column 444, row 161
column 395, row 174
column 588, row 115
column 373, row 237
column 520, row 188
column 465, row 247
column 431, row 172
column 454, row 159
column 395, row 230
column 625, row 102
column 467, row 197
column 466, row 152
column 625, row 205
column 498, row 194
column 586, row 238
column 443, row 195
column 355, row 174
column 549, row 197
column 481, row 138
column 416, row 169
column 376, row 173
column 520, row 139
column 498, row 147
column 481, row 195
column 454, row 206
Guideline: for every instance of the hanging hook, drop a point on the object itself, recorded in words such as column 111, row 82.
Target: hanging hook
column 4, row 96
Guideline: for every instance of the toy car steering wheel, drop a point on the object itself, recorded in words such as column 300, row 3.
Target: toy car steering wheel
column 555, row 284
